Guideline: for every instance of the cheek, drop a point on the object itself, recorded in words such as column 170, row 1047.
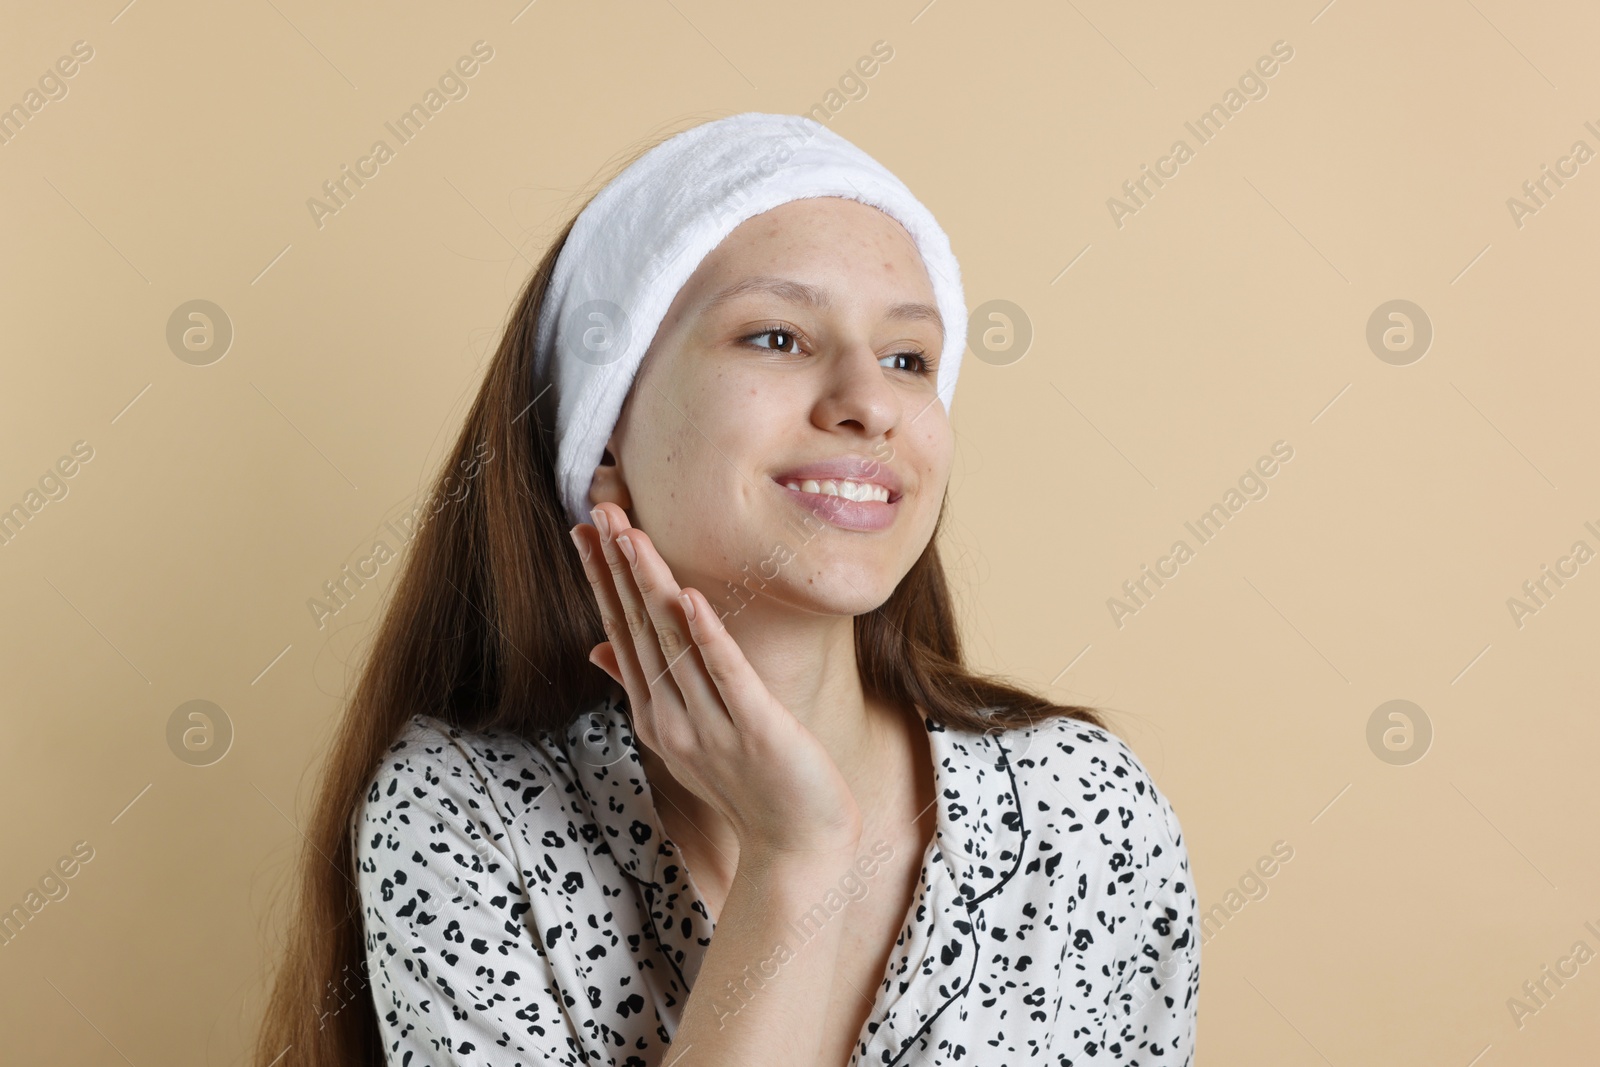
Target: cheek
column 680, row 492
column 693, row 492
column 935, row 453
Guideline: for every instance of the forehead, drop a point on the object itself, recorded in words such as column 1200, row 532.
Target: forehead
column 821, row 243
column 832, row 214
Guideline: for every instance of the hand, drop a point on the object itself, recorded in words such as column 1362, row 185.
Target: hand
column 700, row 706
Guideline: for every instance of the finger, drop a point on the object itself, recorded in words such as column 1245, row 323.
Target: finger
column 653, row 578
column 596, row 570
column 604, row 656
column 645, row 646
column 737, row 684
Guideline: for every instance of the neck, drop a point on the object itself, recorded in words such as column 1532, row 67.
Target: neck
column 808, row 663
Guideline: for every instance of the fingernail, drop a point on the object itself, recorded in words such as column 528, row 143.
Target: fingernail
column 627, row 548
column 583, row 550
column 600, row 523
column 688, row 605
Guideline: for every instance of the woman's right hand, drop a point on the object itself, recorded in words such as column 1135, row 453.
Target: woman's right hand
column 700, row 706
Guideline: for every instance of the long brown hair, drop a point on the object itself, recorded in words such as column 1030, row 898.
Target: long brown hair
column 490, row 626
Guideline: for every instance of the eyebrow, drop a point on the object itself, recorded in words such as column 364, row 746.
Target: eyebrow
column 811, row 296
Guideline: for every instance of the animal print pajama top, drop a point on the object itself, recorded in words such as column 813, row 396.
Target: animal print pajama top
column 523, row 905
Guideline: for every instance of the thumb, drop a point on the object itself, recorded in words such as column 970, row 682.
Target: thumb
column 605, row 657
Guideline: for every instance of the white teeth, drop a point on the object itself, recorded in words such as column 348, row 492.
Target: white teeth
column 847, row 489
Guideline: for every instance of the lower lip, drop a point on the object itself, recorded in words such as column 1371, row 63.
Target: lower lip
column 843, row 512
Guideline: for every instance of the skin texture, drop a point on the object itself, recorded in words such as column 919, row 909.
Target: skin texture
column 712, row 416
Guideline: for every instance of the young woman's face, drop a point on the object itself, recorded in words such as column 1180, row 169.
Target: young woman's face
column 748, row 383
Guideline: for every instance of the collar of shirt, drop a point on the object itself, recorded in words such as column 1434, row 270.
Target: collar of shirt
column 977, row 847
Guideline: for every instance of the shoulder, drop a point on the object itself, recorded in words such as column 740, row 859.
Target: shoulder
column 1074, row 776
column 476, row 781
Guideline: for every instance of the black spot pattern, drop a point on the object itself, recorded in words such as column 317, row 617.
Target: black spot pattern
column 523, row 905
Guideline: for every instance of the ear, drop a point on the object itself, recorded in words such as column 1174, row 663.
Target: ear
column 609, row 484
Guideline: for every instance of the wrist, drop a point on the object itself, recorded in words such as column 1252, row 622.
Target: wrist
column 800, row 868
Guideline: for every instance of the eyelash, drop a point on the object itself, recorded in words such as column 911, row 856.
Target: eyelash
column 925, row 366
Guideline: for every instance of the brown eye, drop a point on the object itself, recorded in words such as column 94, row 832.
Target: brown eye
column 922, row 365
column 789, row 338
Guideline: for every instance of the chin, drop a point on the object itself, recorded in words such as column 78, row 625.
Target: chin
column 840, row 591
column 820, row 569
column 828, row 591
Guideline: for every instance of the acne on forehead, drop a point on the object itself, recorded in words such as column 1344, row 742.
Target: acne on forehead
column 773, row 234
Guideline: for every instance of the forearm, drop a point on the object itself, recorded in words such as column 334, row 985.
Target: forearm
column 764, row 986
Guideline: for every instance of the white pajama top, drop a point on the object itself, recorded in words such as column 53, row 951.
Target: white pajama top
column 523, row 906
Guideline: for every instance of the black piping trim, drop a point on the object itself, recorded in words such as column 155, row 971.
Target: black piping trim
column 1016, row 799
column 972, row 930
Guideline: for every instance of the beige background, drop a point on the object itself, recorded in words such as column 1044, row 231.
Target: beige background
column 1228, row 313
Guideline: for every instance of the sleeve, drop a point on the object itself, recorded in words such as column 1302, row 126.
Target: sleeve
column 1155, row 1007
column 456, row 975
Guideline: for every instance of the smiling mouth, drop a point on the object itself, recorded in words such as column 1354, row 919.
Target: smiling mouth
column 824, row 500
column 846, row 489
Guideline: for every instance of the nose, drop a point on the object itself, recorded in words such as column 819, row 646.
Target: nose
column 856, row 392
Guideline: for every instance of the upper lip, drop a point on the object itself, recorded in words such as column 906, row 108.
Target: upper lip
column 845, row 468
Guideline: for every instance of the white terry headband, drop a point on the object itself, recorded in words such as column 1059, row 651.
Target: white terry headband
column 637, row 242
